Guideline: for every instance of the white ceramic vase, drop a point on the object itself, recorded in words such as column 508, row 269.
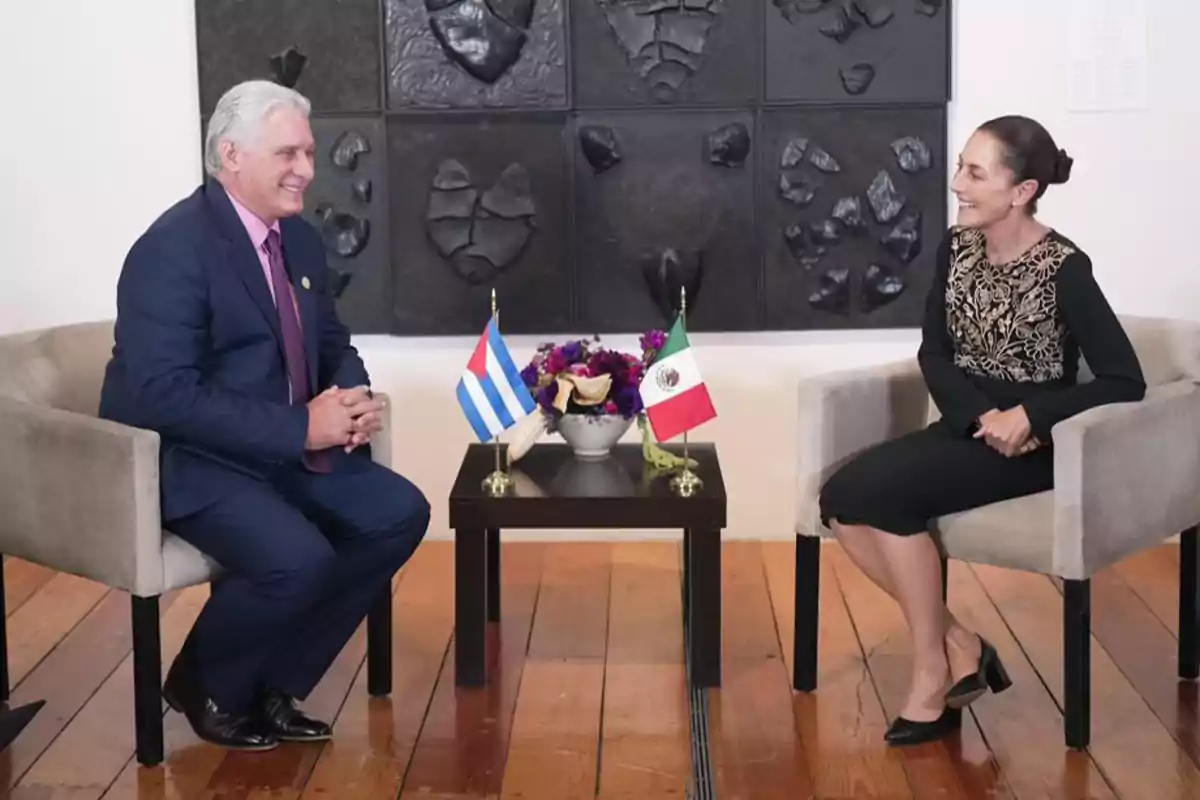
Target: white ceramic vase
column 592, row 437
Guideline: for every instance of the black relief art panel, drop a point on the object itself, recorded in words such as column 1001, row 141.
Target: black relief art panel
column 478, row 204
column 640, row 52
column 852, row 211
column 851, row 51
column 784, row 161
column 664, row 200
column 347, row 202
column 329, row 51
column 476, row 54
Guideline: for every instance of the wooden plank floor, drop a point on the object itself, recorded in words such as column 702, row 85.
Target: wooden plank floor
column 590, row 700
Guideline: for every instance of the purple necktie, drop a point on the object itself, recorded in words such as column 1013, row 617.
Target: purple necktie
column 293, row 340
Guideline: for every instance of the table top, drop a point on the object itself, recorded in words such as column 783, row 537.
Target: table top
column 554, row 489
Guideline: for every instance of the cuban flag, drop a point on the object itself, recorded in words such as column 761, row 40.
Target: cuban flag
column 492, row 395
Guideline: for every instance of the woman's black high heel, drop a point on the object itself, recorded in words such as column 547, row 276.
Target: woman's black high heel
column 990, row 675
column 903, row 732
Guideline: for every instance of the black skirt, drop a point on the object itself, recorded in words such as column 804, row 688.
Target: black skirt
column 902, row 485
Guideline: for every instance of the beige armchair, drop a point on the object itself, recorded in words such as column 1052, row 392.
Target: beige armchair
column 1127, row 477
column 80, row 495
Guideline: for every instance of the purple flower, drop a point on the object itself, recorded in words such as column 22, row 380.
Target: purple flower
column 606, row 362
column 547, row 395
column 653, row 340
column 572, row 351
column 529, row 375
column 556, row 362
column 586, row 357
column 629, row 401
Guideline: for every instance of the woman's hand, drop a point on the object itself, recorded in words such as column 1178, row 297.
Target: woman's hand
column 1032, row 444
column 1007, row 431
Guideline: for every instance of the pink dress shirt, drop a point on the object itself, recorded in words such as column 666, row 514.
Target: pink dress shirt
column 258, row 231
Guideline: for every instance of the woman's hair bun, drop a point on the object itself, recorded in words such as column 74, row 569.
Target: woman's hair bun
column 1062, row 167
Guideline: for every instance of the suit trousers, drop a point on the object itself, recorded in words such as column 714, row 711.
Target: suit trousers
column 303, row 555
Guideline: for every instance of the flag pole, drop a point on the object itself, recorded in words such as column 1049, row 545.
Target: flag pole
column 686, row 483
column 498, row 483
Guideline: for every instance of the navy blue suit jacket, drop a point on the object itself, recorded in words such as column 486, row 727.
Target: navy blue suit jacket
column 199, row 356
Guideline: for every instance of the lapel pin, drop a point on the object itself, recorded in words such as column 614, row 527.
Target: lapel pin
column 304, row 282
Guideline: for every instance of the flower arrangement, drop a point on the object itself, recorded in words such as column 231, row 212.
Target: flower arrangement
column 583, row 377
column 582, row 381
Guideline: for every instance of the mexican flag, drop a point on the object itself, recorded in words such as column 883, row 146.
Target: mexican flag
column 672, row 390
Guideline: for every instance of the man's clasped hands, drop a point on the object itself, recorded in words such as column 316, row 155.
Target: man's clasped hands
column 1008, row 432
column 346, row 418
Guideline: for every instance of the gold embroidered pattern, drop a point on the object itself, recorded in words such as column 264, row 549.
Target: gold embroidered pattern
column 1004, row 321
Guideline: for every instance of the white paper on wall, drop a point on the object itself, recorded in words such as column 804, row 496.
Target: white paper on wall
column 1106, row 55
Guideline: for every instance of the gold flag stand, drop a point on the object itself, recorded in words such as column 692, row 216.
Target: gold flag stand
column 686, row 483
column 499, row 482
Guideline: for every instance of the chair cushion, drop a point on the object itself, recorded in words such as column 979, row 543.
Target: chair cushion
column 1167, row 349
column 1017, row 533
column 184, row 565
column 60, row 367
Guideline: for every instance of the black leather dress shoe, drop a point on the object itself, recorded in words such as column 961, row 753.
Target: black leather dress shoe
column 288, row 723
column 990, row 675
column 904, row 732
column 212, row 724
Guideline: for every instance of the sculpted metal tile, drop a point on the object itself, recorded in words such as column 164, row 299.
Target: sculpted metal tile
column 664, row 40
column 485, row 39
column 347, row 202
column 777, row 160
column 634, row 52
column 857, row 51
column 477, row 203
column 665, row 200
column 328, row 51
column 852, row 209
column 480, row 232
column 476, row 53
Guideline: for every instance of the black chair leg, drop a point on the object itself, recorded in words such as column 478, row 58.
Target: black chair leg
column 12, row 720
column 4, row 687
column 1077, row 662
column 945, row 577
column 807, row 614
column 379, row 645
column 147, row 681
column 1189, row 606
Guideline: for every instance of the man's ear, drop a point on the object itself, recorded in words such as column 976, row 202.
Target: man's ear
column 230, row 155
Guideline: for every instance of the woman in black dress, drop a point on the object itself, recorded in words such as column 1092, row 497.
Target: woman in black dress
column 1012, row 307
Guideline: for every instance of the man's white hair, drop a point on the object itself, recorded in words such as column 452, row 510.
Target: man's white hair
column 240, row 113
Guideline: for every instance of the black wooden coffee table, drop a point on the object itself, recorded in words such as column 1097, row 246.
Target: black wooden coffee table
column 553, row 489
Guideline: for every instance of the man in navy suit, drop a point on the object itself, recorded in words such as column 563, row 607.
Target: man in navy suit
column 229, row 346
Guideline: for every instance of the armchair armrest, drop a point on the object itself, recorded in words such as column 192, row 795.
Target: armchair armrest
column 841, row 414
column 81, row 495
column 1126, row 477
column 381, row 443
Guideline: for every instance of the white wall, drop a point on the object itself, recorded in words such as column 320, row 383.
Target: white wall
column 77, row 126
column 100, row 134
column 1130, row 201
